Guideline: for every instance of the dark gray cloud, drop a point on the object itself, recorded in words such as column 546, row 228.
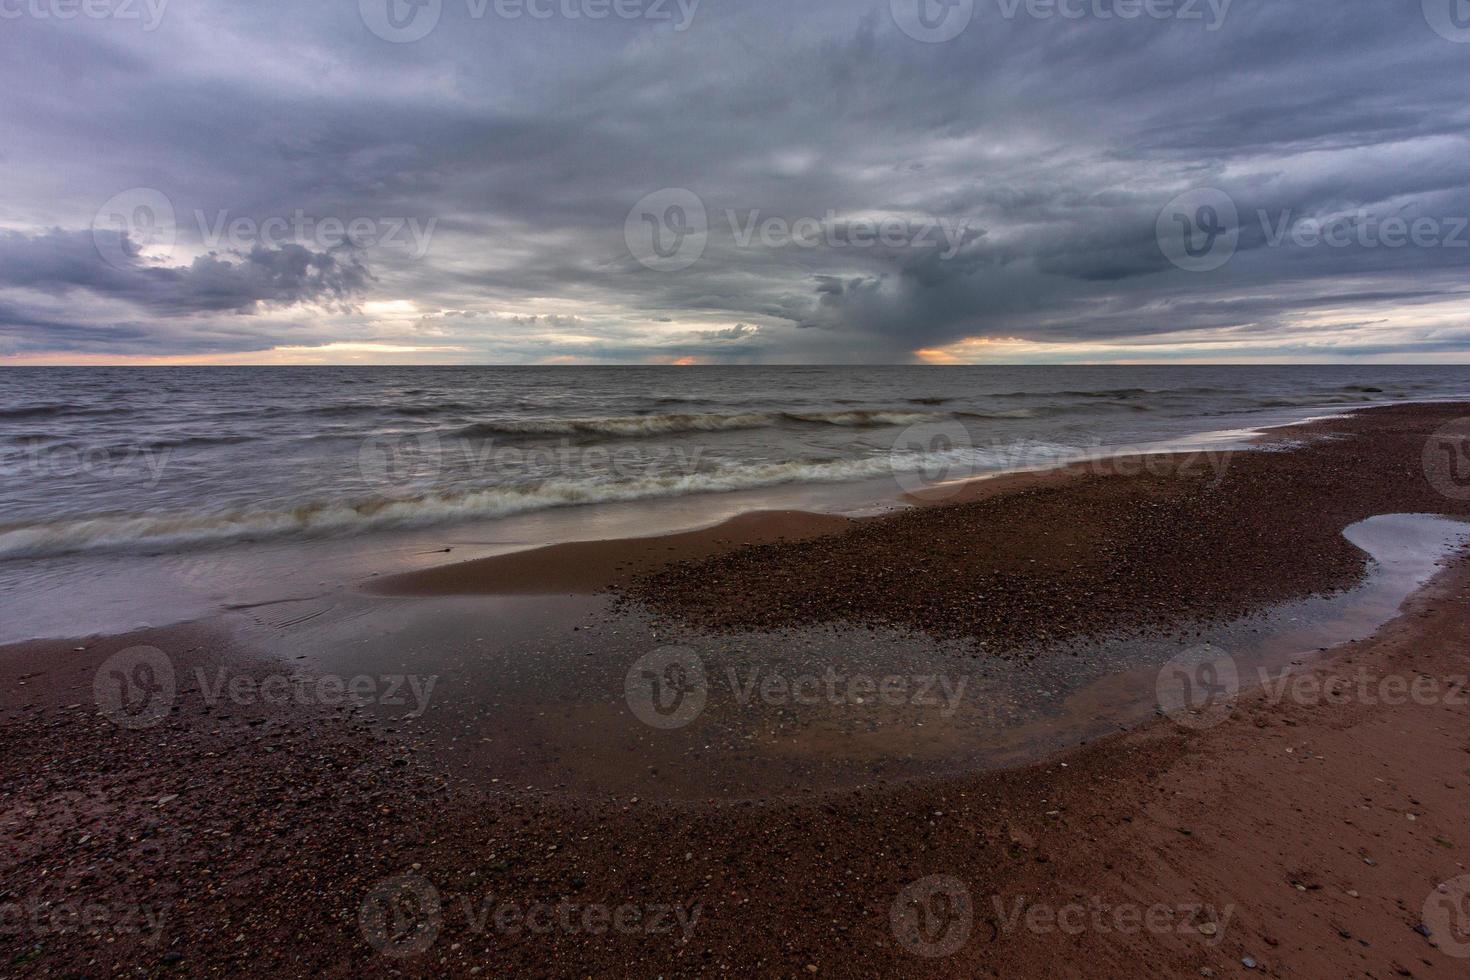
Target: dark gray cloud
column 61, row 262
column 1021, row 168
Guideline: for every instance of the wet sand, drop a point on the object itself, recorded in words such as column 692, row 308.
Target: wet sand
column 584, row 567
column 1291, row 835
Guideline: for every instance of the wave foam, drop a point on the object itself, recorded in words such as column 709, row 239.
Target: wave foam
column 165, row 531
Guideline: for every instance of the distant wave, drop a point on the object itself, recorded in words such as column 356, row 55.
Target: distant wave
column 635, row 426
column 862, row 418
column 162, row 531
column 1014, row 413
column 1111, row 392
column 189, row 442
column 626, row 426
column 1308, row 401
column 53, row 411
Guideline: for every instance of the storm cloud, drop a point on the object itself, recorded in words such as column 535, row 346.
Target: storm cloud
column 827, row 181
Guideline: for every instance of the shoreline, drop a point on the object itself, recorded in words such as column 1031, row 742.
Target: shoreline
column 254, row 825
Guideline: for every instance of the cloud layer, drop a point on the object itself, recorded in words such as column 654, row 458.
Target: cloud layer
column 753, row 182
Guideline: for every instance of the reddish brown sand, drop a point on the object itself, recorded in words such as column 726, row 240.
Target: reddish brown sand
column 1089, row 554
column 1284, row 835
column 591, row 566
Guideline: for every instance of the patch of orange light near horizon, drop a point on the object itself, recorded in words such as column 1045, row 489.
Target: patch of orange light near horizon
column 287, row 354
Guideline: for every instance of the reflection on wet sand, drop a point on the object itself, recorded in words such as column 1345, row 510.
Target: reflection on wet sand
column 559, row 694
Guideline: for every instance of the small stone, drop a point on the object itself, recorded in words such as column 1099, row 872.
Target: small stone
column 1208, row 929
column 1248, row 962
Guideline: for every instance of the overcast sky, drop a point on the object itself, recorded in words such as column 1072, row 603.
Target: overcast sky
column 646, row 181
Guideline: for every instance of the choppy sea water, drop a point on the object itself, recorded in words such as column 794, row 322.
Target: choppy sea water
column 126, row 459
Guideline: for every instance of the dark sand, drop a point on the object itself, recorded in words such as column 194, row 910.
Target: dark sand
column 1089, row 554
column 583, row 567
column 1283, row 834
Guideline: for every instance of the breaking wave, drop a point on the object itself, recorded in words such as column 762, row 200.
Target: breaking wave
column 159, row 531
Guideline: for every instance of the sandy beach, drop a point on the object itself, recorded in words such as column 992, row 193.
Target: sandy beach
column 219, row 810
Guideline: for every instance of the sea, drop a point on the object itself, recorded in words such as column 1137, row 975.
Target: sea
column 96, row 460
column 256, row 503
